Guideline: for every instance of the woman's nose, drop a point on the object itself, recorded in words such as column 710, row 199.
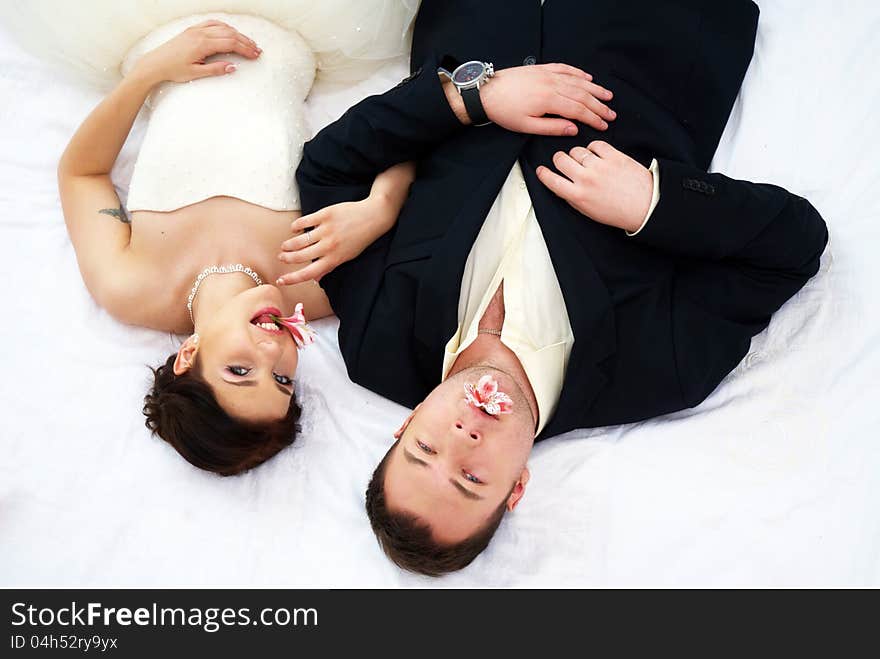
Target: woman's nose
column 471, row 434
column 270, row 348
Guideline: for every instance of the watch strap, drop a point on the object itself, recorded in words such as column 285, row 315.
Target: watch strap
column 474, row 106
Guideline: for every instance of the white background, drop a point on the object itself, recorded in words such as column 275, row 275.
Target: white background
column 772, row 481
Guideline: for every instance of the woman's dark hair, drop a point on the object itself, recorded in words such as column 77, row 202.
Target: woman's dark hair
column 182, row 410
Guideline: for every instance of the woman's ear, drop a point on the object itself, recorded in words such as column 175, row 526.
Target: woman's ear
column 519, row 489
column 186, row 355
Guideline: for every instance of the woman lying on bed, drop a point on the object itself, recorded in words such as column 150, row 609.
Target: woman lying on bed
column 212, row 198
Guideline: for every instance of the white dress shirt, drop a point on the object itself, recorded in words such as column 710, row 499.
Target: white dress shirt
column 511, row 248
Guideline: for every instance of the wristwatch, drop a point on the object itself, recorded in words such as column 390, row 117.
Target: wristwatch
column 468, row 78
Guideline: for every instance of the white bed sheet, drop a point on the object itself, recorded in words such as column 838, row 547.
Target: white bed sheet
column 772, row 481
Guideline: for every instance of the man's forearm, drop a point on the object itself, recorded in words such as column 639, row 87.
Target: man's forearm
column 403, row 124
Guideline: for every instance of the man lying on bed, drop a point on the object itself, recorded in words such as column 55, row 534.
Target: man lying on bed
column 535, row 284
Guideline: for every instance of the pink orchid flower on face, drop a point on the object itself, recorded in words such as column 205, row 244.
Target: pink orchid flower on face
column 296, row 324
column 485, row 396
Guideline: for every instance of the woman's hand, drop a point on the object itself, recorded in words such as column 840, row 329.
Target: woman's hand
column 182, row 58
column 339, row 233
column 602, row 183
column 518, row 98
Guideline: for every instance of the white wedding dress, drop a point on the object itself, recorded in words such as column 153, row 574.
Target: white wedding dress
column 238, row 135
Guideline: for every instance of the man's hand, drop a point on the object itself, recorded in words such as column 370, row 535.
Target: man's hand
column 518, row 98
column 339, row 233
column 602, row 183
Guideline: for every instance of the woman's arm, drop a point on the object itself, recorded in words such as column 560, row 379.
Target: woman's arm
column 341, row 232
column 96, row 221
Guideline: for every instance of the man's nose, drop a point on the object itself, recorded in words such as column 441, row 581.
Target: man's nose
column 462, row 431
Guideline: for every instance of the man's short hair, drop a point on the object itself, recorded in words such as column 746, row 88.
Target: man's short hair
column 407, row 541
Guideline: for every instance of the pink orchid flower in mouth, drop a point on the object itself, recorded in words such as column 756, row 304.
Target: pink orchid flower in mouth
column 485, row 395
column 296, row 324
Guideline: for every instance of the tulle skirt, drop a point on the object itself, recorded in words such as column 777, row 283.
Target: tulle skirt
column 350, row 38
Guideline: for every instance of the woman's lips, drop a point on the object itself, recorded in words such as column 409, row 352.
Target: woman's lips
column 267, row 311
column 264, row 321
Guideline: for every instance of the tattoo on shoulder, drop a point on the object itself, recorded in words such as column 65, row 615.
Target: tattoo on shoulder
column 118, row 213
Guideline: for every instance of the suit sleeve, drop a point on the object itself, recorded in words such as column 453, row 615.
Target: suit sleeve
column 340, row 162
column 714, row 217
column 744, row 249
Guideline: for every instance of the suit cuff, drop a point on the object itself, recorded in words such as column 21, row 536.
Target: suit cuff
column 655, row 195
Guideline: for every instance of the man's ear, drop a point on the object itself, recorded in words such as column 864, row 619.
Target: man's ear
column 519, row 489
column 402, row 429
column 186, row 355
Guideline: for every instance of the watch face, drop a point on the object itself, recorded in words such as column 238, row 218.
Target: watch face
column 468, row 72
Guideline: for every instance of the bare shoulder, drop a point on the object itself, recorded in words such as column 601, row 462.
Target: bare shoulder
column 315, row 302
column 137, row 294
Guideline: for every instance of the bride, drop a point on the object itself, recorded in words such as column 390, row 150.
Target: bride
column 211, row 200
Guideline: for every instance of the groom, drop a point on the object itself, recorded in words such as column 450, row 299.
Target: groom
column 579, row 278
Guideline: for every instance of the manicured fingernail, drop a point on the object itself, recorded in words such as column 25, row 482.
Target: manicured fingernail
column 612, row 114
column 603, row 125
column 571, row 130
column 230, row 68
column 279, row 282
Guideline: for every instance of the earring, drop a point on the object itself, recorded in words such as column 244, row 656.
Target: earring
column 195, row 338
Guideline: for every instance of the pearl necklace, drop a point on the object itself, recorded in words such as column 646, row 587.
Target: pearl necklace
column 218, row 270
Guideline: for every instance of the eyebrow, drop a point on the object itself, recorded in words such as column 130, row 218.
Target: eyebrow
column 465, row 491
column 252, row 383
column 283, row 390
column 461, row 488
column 411, row 458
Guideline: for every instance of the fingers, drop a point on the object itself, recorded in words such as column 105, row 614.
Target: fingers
column 602, row 149
column 314, row 271
column 224, row 31
column 570, row 109
column 237, row 45
column 586, row 99
column 301, row 241
column 303, row 255
column 565, row 69
column 569, row 74
column 303, row 222
column 557, row 184
column 567, row 165
column 548, row 126
column 599, row 92
column 582, row 155
column 218, row 30
column 212, row 69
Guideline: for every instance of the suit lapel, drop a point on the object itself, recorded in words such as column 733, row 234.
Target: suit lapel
column 436, row 312
column 587, row 300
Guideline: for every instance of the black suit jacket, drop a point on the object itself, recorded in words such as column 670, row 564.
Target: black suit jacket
column 659, row 318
